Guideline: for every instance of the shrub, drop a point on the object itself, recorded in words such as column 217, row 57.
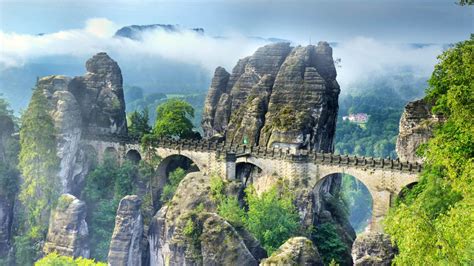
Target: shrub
column 53, row 259
column 174, row 179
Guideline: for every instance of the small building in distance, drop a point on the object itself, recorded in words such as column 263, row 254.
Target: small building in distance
column 359, row 118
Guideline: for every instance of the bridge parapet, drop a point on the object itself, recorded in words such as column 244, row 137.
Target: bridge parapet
column 299, row 155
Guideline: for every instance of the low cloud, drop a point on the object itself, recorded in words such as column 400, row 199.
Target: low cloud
column 184, row 46
column 364, row 59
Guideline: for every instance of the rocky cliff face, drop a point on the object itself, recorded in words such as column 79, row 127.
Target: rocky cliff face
column 181, row 235
column 295, row 251
column 89, row 104
column 280, row 96
column 416, row 127
column 68, row 232
column 125, row 245
column 373, row 249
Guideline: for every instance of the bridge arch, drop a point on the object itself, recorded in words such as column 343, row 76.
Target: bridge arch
column 168, row 165
column 247, row 172
column 111, row 152
column 133, row 155
column 359, row 203
column 405, row 189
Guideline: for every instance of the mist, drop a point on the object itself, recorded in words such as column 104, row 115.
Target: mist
column 185, row 60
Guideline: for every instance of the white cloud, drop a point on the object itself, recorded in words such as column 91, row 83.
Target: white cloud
column 365, row 58
column 184, row 46
column 362, row 58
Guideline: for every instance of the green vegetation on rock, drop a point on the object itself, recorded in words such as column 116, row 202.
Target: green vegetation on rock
column 433, row 223
column 329, row 243
column 174, row 179
column 40, row 188
column 53, row 259
column 105, row 187
column 271, row 217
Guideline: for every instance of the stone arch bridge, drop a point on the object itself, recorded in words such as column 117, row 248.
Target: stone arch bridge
column 384, row 178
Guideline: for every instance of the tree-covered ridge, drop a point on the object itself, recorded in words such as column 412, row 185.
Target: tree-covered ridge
column 433, row 224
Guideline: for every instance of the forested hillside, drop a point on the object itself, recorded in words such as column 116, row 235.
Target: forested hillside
column 433, row 223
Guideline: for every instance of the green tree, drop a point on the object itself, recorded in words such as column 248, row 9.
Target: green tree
column 329, row 244
column 53, row 259
column 173, row 119
column 433, row 223
column 102, row 204
column 271, row 217
column 38, row 164
column 138, row 123
column 174, row 179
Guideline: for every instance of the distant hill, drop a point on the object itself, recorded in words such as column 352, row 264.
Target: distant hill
column 134, row 31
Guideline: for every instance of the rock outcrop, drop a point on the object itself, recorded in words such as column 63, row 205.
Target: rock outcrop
column 416, row 127
column 285, row 97
column 373, row 249
column 89, row 104
column 188, row 232
column 296, row 251
column 280, row 96
column 125, row 245
column 68, row 232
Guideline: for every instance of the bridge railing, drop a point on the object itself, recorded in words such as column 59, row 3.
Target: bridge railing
column 296, row 155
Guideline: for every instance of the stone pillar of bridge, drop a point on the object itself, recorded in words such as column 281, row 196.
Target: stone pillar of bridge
column 381, row 204
column 230, row 166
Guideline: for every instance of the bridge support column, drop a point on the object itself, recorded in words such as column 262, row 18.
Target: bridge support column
column 380, row 207
column 230, row 166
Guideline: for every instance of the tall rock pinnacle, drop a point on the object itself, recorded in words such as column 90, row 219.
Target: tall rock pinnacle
column 281, row 96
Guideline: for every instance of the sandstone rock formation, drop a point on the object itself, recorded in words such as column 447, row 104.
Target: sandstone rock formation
column 373, row 249
column 181, row 235
column 296, row 251
column 68, row 232
column 89, row 104
column 416, row 127
column 128, row 231
column 287, row 97
column 280, row 96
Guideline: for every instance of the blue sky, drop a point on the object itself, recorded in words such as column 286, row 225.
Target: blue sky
column 435, row 21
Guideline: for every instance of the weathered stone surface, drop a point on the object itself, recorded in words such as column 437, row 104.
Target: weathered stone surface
column 416, row 127
column 68, row 232
column 125, row 244
column 221, row 244
column 100, row 96
column 279, row 97
column 373, row 249
column 89, row 104
column 215, row 241
column 295, row 251
column 218, row 87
